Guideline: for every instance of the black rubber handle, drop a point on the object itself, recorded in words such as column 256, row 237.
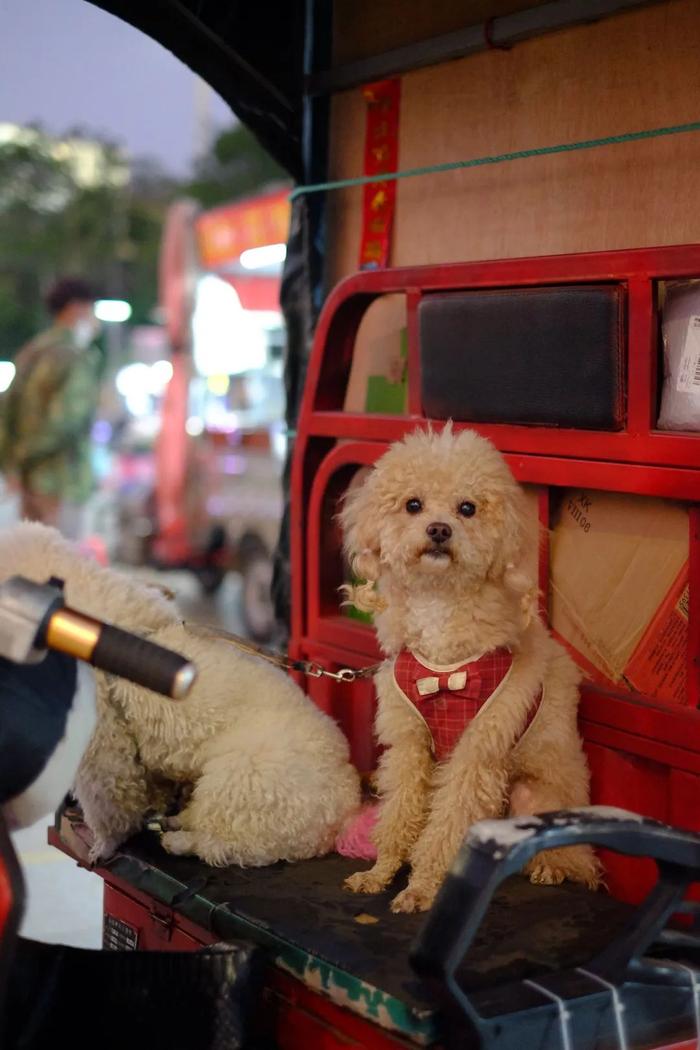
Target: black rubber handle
column 495, row 849
column 143, row 662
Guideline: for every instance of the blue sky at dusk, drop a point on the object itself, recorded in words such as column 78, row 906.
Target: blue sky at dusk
column 66, row 63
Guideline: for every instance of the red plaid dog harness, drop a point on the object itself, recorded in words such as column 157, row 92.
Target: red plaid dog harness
column 449, row 698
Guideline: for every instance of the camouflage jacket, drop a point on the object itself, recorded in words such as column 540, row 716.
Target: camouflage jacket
column 47, row 416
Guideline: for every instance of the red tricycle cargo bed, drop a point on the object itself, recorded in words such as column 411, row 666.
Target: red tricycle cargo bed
column 341, row 962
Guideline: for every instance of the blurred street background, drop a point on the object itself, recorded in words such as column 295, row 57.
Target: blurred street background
column 118, row 165
column 180, row 218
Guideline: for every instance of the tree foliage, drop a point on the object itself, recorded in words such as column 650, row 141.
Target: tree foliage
column 52, row 224
column 237, row 165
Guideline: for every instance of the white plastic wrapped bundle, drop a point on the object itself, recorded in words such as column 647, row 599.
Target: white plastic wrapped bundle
column 680, row 398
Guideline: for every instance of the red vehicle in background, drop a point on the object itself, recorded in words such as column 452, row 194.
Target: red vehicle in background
column 209, row 497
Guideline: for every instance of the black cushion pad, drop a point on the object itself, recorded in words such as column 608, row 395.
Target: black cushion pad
column 549, row 356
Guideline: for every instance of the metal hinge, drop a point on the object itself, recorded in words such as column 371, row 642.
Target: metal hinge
column 163, row 919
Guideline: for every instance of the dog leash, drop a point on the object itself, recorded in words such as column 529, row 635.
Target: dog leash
column 305, row 667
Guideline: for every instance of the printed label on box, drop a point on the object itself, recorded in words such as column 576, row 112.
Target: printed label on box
column 657, row 667
column 618, row 568
column 688, row 381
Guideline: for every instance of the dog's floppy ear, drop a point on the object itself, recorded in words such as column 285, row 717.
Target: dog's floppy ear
column 361, row 541
column 510, row 567
column 513, row 532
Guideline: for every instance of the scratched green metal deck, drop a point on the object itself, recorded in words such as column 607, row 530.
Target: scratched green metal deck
column 352, row 949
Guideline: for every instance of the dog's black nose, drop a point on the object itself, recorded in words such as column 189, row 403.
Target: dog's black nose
column 439, row 531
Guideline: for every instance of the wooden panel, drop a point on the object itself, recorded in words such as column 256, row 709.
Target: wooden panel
column 630, row 72
column 371, row 27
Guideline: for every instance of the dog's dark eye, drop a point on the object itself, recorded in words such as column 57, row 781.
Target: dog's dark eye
column 414, row 506
column 467, row 509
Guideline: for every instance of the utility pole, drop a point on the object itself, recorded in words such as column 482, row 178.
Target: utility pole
column 202, row 117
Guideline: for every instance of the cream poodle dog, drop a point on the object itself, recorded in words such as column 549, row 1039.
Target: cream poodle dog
column 269, row 773
column 477, row 703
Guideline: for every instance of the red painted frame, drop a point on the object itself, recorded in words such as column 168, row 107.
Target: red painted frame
column 619, row 729
column 634, row 743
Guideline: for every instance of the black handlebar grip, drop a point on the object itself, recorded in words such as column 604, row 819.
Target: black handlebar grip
column 143, row 662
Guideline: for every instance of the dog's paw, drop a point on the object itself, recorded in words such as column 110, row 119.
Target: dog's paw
column 370, row 881
column 180, row 843
column 102, row 849
column 414, row 898
column 582, row 865
column 575, row 863
column 545, row 874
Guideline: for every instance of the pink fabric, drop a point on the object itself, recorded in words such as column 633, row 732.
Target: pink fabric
column 94, row 548
column 355, row 840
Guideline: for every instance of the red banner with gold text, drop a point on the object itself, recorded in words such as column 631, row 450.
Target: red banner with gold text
column 224, row 232
column 381, row 156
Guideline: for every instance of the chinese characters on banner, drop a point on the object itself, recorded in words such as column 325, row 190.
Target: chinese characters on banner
column 224, row 232
column 381, row 155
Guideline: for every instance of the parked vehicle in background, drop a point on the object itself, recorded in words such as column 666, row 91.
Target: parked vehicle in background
column 232, row 512
column 199, row 461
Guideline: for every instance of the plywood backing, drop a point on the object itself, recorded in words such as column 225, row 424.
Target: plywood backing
column 370, row 27
column 630, row 72
column 377, row 348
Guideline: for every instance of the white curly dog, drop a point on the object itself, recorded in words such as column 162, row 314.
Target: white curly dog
column 269, row 773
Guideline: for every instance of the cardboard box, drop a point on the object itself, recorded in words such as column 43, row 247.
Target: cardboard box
column 619, row 589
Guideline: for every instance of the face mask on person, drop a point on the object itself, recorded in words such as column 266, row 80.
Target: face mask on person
column 83, row 332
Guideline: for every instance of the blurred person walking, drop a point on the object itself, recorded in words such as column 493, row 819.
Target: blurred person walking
column 47, row 414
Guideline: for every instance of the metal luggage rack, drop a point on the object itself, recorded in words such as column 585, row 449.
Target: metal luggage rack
column 620, row 998
column 644, row 753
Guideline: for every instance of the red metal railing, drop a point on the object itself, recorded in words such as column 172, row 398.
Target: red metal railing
column 642, row 751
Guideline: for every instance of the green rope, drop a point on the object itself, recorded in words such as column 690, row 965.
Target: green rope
column 500, row 158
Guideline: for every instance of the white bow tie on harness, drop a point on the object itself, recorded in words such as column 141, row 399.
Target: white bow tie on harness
column 441, row 683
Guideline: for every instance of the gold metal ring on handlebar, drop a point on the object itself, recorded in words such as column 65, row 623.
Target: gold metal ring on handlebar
column 73, row 634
